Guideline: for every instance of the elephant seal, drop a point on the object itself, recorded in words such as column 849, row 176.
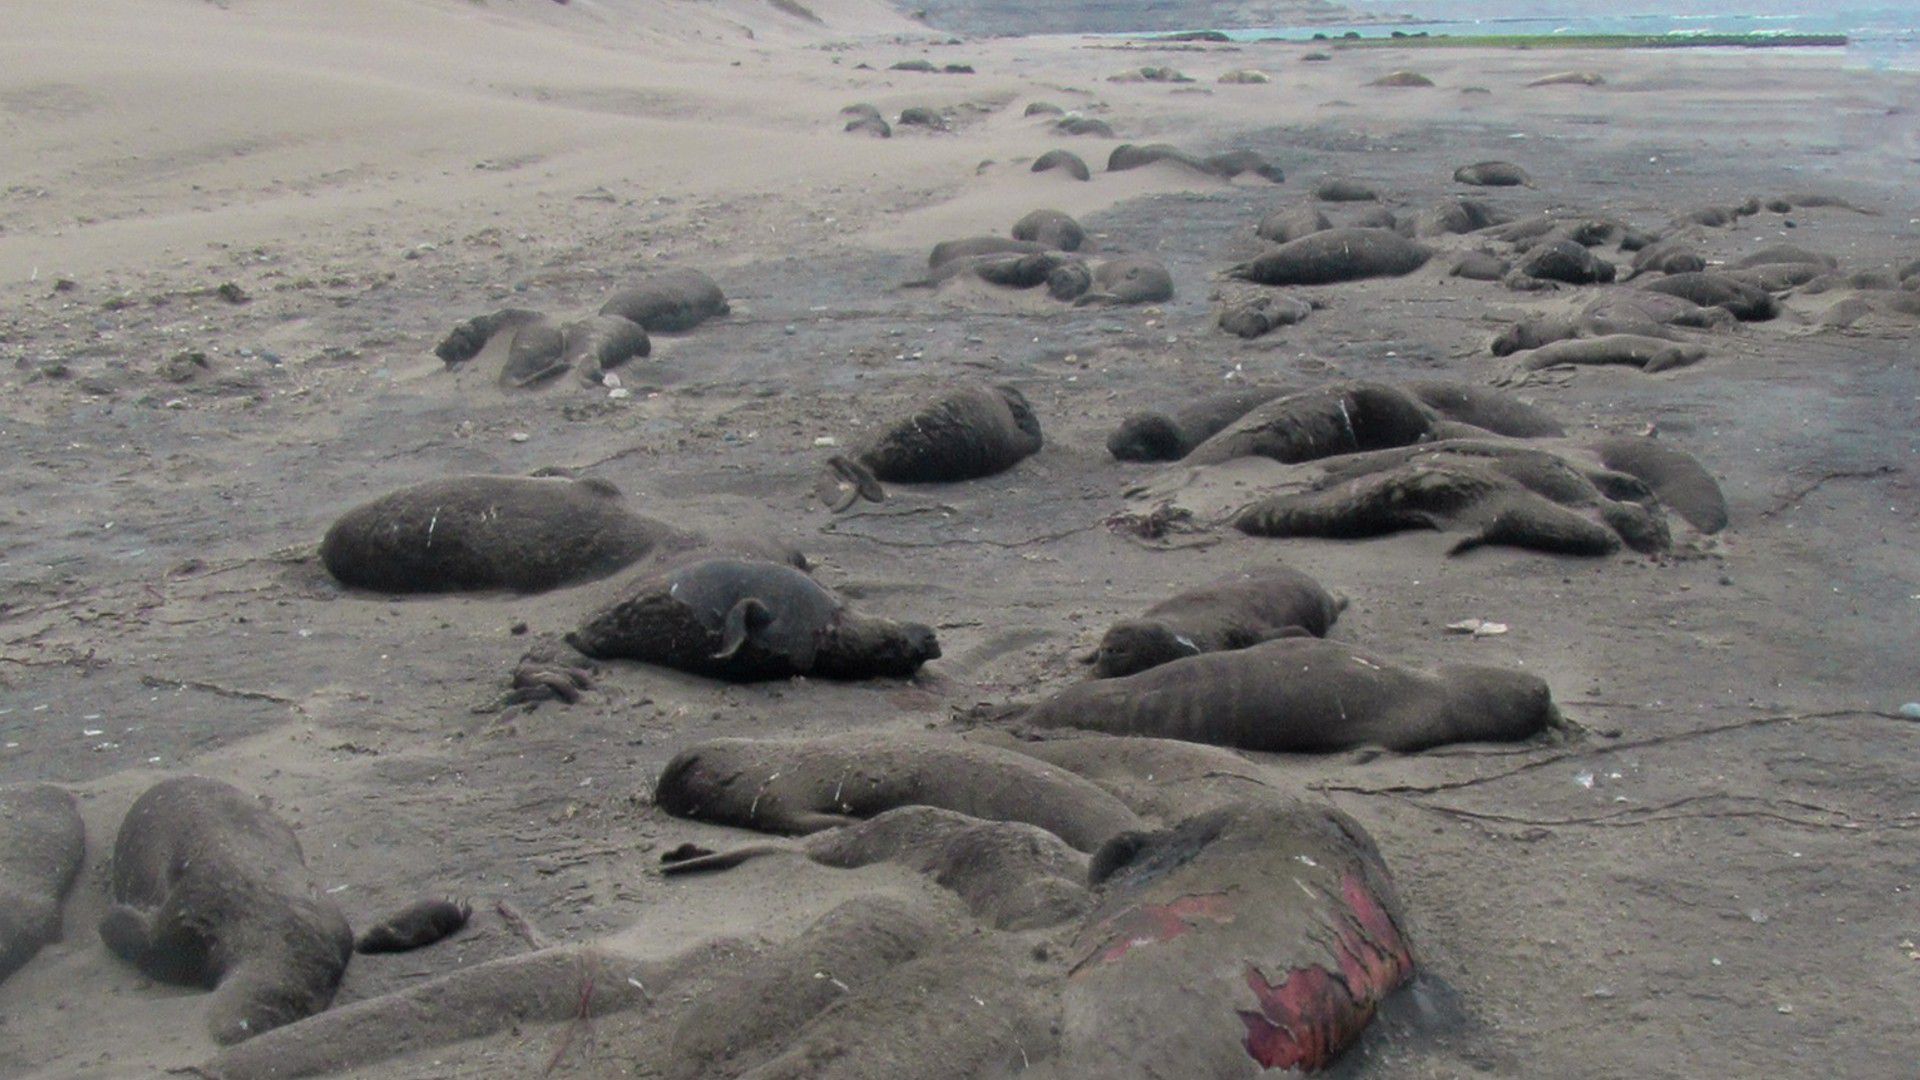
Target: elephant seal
column 1011, row 875
column 745, row 620
column 1402, row 80
column 1064, row 160
column 42, row 843
column 1340, row 418
column 1567, row 261
column 1629, row 311
column 875, row 126
column 968, row 247
column 416, row 926
column 1043, row 108
column 210, row 889
column 669, row 301
column 1484, row 407
column 1493, row 174
column 1172, row 435
column 1232, row 612
column 967, row 434
column 1244, row 77
column 1570, row 78
column 1480, row 266
column 1129, row 156
column 860, row 110
column 522, row 533
column 1305, row 695
column 1252, row 316
column 539, row 349
column 1673, row 256
column 806, row 785
column 1234, row 163
column 1451, row 217
column 1291, row 223
column 1008, row 269
column 1050, row 227
column 1160, row 779
column 1083, row 125
column 1480, row 502
column 597, row 345
column 1335, row 255
column 1341, row 189
column 1258, row 936
column 921, row 116
column 1680, row 481
column 1649, row 354
column 469, row 339
column 1130, row 279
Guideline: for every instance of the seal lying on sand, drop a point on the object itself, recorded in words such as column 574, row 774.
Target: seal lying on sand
column 1748, row 303
column 42, row 843
column 806, row 785
column 745, row 620
column 1304, row 695
column 1335, row 255
column 1251, row 316
column 1011, row 875
column 1053, row 228
column 1291, row 223
column 970, row 433
column 489, row 532
column 538, row 349
column 1341, row 189
column 1679, row 479
column 1259, row 936
column 669, row 301
column 1064, row 160
column 1172, row 435
column 1130, row 279
column 1629, row 311
column 1493, row 174
column 1566, row 261
column 1161, row 779
column 1451, row 216
column 1649, row 354
column 949, row 250
column 1486, row 408
column 1340, row 418
column 210, row 889
column 1233, row 612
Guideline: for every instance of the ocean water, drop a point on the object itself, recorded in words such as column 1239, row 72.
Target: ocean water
column 1881, row 35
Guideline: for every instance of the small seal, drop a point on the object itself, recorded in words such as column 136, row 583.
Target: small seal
column 669, row 301
column 1232, row 612
column 1291, row 223
column 1066, row 161
column 1172, row 435
column 1339, row 418
column 967, row 434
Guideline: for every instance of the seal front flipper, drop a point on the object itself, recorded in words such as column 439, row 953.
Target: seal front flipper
column 745, row 619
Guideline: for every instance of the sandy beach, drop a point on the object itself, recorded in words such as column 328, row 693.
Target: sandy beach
column 1718, row 879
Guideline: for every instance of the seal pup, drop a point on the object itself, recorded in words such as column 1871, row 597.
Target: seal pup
column 1291, row 223
column 1678, row 478
column 1064, row 160
column 1335, row 255
column 1340, row 418
column 210, row 889
column 1233, row 612
column 1083, row 125
column 1129, row 156
column 522, row 533
column 1252, row 316
column 1649, row 354
column 1053, row 228
column 1159, row 779
column 1402, row 80
column 470, row 338
column 1043, row 108
column 1570, row 78
column 801, row 786
column 42, row 843
column 1305, row 695
column 1130, row 279
column 596, row 345
column 669, row 301
column 1234, row 163
column 1450, row 217
column 1493, row 174
column 967, row 434
column 1172, row 435
column 746, row 620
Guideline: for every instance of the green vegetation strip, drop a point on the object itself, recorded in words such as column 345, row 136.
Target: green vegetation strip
column 1581, row 41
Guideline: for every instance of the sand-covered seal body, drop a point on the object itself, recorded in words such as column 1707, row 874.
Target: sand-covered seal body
column 210, row 889
column 1335, row 255
column 1066, row 161
column 669, row 301
column 1493, row 174
column 1342, row 418
column 1305, row 695
column 745, row 620
column 1172, row 435
column 965, row 435
column 488, row 532
column 42, row 843
column 800, row 786
column 1233, row 612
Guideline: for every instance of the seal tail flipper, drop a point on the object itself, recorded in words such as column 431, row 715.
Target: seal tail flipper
column 745, row 618
column 688, row 859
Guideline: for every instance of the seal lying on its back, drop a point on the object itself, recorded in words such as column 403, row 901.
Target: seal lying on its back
column 42, row 843
column 210, row 889
column 1234, row 612
column 965, row 435
column 1341, row 418
column 1335, row 255
column 489, row 532
column 1305, row 695
column 745, row 620
column 669, row 301
column 806, row 785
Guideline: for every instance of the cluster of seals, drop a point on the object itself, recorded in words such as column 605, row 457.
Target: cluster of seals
column 1305, row 695
column 210, row 889
column 964, row 435
column 1646, row 314
column 1226, row 166
column 521, row 533
column 865, row 119
column 42, row 843
column 1340, row 418
column 746, row 620
column 1335, row 255
column 1233, row 612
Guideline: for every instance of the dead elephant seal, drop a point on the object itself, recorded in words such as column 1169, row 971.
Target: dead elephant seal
column 42, row 843
column 489, row 532
column 745, row 620
column 1172, row 435
column 1305, row 695
column 806, row 785
column 210, row 889
column 669, row 301
column 1233, row 612
column 1341, row 418
column 1064, row 160
column 1335, row 255
column 968, row 434
column 1052, row 228
column 1493, row 174
column 1261, row 935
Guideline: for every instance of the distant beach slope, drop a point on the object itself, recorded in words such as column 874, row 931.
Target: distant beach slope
column 1122, row 16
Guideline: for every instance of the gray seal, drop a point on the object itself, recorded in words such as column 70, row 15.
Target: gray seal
column 1335, row 255
column 42, row 843
column 669, row 301
column 1233, row 612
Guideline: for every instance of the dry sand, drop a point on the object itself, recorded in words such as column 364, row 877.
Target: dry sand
column 1724, row 887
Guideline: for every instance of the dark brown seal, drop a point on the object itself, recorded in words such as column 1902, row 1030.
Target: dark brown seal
column 1305, row 695
column 969, row 433
column 1130, row 279
column 1679, row 479
column 1172, row 435
column 1233, row 612
column 950, row 250
column 1341, row 418
column 210, row 889
column 745, row 620
column 42, row 843
column 1493, row 174
column 1064, row 160
column 806, row 785
column 1566, row 261
column 669, row 301
column 416, row 926
column 1053, row 228
column 1341, row 189
column 467, row 340
column 1335, row 255
column 489, row 532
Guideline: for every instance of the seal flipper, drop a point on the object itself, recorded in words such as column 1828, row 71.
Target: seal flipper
column 854, row 482
column 675, row 862
column 161, row 945
column 127, row 933
column 742, row 622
